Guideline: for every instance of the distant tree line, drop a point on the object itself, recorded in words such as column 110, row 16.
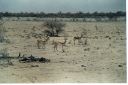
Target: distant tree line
column 64, row 15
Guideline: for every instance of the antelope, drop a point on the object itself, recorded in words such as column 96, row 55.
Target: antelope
column 42, row 42
column 62, row 43
column 77, row 38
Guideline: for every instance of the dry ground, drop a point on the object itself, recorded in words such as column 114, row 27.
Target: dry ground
column 103, row 59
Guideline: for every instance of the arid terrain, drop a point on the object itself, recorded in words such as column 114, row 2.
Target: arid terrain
column 101, row 59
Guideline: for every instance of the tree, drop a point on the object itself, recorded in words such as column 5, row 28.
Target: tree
column 54, row 28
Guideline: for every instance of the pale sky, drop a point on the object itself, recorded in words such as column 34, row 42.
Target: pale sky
column 62, row 5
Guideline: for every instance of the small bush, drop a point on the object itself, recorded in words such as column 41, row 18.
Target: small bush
column 4, row 53
column 54, row 28
column 4, row 56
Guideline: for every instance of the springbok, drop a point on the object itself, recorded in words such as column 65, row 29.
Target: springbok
column 62, row 43
column 77, row 38
column 43, row 42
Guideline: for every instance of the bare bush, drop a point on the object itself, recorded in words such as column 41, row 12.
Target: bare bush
column 54, row 28
column 4, row 55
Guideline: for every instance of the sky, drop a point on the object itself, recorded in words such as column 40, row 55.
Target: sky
column 52, row 6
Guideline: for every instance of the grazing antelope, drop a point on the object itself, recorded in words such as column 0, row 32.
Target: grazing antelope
column 42, row 42
column 77, row 38
column 62, row 43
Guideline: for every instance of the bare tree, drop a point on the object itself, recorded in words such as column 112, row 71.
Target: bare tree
column 54, row 28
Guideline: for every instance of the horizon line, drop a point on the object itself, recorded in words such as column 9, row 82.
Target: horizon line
column 65, row 12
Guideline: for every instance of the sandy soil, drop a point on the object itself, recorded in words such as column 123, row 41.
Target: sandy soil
column 103, row 59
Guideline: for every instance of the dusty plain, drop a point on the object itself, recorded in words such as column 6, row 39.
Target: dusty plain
column 101, row 60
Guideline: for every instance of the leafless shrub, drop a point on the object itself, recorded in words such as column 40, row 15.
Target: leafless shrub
column 54, row 28
column 4, row 53
column 4, row 56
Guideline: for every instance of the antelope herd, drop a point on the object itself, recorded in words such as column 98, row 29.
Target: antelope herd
column 42, row 41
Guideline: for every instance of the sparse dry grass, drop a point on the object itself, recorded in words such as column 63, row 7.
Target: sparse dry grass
column 102, row 59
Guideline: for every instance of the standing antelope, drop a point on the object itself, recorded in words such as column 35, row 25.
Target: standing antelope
column 42, row 42
column 77, row 38
column 62, row 43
